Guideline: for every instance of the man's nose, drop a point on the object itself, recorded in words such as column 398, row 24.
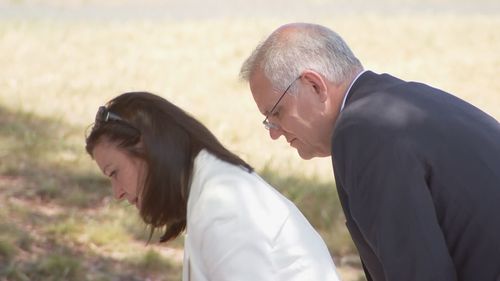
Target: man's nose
column 275, row 133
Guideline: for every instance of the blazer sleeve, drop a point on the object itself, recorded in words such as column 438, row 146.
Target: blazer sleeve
column 391, row 204
column 229, row 235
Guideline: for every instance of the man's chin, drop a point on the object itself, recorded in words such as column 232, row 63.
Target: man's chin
column 305, row 155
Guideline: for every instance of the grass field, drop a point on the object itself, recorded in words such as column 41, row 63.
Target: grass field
column 57, row 218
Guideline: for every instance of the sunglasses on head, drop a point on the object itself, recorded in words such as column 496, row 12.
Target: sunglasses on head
column 104, row 115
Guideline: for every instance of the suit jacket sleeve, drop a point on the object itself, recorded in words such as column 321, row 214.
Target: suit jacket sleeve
column 390, row 202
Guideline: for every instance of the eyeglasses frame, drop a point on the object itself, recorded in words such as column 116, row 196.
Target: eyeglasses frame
column 268, row 125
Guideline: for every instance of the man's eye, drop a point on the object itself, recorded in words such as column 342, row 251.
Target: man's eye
column 112, row 174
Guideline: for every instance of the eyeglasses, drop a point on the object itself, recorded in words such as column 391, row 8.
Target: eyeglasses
column 103, row 115
column 268, row 125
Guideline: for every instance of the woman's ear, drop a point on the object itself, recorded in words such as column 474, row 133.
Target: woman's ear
column 317, row 82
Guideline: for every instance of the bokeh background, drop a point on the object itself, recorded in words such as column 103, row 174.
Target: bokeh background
column 61, row 59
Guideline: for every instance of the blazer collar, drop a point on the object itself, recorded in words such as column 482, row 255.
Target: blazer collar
column 370, row 82
column 204, row 167
column 349, row 89
column 201, row 169
column 359, row 84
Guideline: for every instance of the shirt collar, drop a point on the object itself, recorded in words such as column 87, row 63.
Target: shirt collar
column 349, row 89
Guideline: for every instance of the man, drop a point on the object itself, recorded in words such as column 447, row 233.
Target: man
column 417, row 170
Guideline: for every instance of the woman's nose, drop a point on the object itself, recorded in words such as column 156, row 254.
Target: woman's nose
column 118, row 193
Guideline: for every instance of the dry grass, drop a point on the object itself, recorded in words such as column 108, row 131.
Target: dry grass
column 65, row 70
column 55, row 74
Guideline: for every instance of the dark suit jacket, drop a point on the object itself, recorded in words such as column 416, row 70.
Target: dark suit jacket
column 418, row 175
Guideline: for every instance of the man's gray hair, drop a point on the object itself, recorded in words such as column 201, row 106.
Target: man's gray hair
column 284, row 55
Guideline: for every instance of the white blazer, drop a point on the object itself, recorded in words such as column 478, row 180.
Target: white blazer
column 239, row 228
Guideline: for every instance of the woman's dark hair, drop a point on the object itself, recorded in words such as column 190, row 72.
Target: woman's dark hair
column 168, row 139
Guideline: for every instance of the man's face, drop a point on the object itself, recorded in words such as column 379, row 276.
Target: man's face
column 298, row 116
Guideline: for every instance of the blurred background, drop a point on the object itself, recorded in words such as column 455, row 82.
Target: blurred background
column 61, row 59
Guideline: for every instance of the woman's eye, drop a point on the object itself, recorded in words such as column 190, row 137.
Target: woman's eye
column 112, row 174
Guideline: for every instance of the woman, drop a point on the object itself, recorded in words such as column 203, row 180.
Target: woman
column 181, row 178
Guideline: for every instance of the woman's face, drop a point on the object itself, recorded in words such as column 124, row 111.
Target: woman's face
column 125, row 171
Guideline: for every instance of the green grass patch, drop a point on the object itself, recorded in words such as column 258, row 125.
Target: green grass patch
column 106, row 233
column 12, row 272
column 152, row 261
column 59, row 267
column 7, row 250
column 69, row 228
column 155, row 266
column 13, row 239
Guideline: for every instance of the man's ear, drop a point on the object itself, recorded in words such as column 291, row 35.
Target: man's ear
column 317, row 82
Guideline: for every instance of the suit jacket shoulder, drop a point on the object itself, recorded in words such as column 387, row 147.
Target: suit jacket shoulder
column 407, row 159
